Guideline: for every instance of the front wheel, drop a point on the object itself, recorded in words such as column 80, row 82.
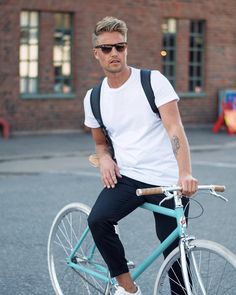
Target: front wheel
column 211, row 268
column 67, row 228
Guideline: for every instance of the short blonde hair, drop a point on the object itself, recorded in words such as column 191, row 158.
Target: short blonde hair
column 109, row 24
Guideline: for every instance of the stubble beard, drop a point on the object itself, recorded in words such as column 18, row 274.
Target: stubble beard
column 116, row 69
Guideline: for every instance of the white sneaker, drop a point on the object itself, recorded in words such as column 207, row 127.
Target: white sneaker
column 121, row 291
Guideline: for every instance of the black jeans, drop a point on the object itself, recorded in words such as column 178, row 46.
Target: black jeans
column 114, row 204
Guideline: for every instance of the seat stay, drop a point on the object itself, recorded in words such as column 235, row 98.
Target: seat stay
column 83, row 268
column 80, row 241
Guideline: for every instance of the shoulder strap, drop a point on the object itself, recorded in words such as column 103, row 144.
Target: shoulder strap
column 95, row 103
column 147, row 87
column 95, row 106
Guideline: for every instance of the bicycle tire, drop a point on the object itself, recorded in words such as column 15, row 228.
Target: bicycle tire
column 216, row 265
column 66, row 229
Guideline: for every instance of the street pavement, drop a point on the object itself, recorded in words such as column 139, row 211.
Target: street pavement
column 69, row 151
column 39, row 174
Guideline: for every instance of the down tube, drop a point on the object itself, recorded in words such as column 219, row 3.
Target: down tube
column 157, row 252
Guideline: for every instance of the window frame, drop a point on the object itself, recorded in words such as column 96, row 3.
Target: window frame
column 28, row 61
column 194, row 63
column 168, row 49
column 64, row 61
column 51, row 94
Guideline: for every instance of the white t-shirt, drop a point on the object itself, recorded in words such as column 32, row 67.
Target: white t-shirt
column 142, row 147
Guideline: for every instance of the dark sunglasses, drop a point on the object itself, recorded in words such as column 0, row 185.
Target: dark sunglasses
column 107, row 48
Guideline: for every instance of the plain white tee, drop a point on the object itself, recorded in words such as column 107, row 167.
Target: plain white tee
column 142, row 147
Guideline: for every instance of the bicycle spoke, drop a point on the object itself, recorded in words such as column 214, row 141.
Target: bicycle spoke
column 68, row 227
column 88, row 282
column 70, row 222
column 221, row 279
column 210, row 267
column 192, row 274
column 61, row 244
column 176, row 281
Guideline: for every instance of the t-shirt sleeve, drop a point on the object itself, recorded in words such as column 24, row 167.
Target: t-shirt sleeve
column 163, row 90
column 90, row 121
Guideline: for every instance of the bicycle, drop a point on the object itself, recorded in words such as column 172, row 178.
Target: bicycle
column 76, row 267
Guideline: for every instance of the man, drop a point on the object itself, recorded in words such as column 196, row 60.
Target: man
column 150, row 150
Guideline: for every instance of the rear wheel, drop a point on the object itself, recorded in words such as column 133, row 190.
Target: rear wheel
column 67, row 228
column 211, row 268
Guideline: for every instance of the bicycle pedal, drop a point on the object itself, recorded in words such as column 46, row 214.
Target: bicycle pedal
column 131, row 264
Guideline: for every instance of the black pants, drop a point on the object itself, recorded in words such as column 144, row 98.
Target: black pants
column 114, row 204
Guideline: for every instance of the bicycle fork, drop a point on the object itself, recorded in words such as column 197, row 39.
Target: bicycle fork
column 185, row 246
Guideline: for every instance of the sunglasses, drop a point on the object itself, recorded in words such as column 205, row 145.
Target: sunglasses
column 107, row 48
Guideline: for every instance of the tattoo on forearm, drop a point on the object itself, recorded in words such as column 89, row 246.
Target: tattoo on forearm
column 175, row 144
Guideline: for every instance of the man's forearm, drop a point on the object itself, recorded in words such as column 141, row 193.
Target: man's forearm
column 102, row 150
column 181, row 150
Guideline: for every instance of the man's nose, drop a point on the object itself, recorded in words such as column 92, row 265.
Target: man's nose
column 114, row 51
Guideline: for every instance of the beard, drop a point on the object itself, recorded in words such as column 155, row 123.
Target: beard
column 115, row 68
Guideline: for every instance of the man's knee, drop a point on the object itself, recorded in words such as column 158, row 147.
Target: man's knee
column 98, row 224
column 92, row 221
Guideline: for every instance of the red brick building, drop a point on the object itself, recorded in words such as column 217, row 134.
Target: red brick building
column 46, row 61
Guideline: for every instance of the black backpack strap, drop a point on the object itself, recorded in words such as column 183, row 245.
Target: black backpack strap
column 147, row 87
column 95, row 106
column 95, row 103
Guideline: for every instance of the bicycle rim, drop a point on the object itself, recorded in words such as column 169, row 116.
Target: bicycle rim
column 67, row 228
column 211, row 268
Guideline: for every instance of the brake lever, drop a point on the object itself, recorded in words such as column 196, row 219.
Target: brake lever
column 169, row 196
column 212, row 192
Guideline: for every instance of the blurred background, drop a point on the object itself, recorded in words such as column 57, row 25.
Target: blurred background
column 47, row 65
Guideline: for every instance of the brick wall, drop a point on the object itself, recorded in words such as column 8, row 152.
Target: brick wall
column 145, row 42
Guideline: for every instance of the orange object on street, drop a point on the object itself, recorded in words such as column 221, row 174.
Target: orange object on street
column 226, row 119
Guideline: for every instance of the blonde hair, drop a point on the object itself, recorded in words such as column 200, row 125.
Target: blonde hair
column 109, row 24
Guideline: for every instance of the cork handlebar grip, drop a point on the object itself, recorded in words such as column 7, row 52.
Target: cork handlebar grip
column 160, row 190
column 219, row 188
column 149, row 191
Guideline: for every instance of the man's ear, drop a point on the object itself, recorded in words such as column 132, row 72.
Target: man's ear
column 95, row 53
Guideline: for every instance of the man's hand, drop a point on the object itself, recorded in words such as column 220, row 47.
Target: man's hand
column 109, row 171
column 108, row 168
column 189, row 184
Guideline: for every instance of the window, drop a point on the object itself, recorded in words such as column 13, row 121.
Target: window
column 169, row 49
column 45, row 69
column 29, row 48
column 196, row 53
column 62, row 53
column 183, row 54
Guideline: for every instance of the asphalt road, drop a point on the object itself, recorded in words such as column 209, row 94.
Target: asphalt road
column 39, row 175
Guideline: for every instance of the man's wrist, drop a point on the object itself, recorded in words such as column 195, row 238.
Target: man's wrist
column 105, row 155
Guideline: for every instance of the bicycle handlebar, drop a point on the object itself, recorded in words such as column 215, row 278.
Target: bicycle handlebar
column 163, row 189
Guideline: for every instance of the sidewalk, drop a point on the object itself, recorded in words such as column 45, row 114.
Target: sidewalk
column 29, row 146
column 69, row 152
column 50, row 145
column 54, row 153
column 204, row 139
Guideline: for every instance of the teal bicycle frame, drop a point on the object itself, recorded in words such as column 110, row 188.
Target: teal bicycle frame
column 180, row 231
